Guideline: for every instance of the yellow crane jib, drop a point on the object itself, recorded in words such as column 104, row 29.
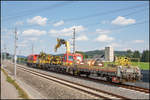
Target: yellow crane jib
column 60, row 42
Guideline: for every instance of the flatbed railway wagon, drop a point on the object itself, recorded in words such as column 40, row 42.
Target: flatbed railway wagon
column 118, row 74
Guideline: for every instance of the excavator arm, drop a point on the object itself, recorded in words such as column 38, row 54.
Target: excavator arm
column 57, row 45
column 60, row 42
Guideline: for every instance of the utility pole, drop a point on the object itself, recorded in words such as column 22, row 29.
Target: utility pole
column 15, row 57
column 5, row 52
column 19, row 60
column 73, row 47
column 73, row 40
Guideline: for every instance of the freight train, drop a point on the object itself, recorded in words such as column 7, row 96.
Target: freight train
column 65, row 64
column 74, row 64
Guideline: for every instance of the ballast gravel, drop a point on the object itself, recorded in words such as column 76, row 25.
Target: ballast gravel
column 108, row 88
column 49, row 89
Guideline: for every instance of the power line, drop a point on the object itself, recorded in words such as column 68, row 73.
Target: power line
column 113, row 11
column 119, row 28
column 76, row 18
column 125, row 15
column 132, row 13
column 104, row 13
column 30, row 12
column 141, row 22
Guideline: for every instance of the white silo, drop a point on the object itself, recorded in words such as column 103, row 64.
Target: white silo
column 109, row 54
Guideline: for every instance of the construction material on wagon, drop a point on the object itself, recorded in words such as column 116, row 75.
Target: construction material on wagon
column 116, row 74
column 73, row 63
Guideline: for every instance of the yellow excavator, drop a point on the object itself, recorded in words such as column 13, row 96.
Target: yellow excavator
column 68, row 57
column 123, row 61
column 62, row 41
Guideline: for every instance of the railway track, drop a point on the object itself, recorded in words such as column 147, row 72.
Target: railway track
column 131, row 87
column 92, row 91
column 135, row 88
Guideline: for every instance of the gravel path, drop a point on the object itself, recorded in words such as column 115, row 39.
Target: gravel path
column 8, row 91
column 108, row 88
column 50, row 89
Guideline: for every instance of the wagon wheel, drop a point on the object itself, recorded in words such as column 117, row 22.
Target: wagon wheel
column 70, row 71
column 109, row 79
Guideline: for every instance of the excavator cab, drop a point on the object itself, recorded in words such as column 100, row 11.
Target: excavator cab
column 69, row 58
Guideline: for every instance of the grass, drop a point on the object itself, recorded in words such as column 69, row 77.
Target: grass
column 142, row 65
column 21, row 92
column 106, row 63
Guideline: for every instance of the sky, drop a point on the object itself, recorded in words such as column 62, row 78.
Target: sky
column 121, row 24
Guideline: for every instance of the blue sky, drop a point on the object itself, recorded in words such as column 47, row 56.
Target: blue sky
column 122, row 25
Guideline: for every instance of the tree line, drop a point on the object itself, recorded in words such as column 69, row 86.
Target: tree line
column 134, row 55
column 143, row 57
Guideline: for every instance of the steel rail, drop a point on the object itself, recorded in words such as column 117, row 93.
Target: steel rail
column 131, row 87
column 93, row 91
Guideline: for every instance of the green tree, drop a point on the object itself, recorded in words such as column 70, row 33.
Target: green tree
column 136, row 54
column 145, row 56
column 129, row 53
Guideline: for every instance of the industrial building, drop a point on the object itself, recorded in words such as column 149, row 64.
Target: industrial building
column 109, row 54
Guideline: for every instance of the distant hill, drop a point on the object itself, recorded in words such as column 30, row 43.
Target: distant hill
column 21, row 56
column 95, row 52
column 87, row 53
column 120, row 53
column 99, row 52
column 10, row 55
column 102, row 52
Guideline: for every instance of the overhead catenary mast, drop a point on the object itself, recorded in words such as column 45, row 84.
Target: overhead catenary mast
column 15, row 57
column 73, row 46
column 5, row 51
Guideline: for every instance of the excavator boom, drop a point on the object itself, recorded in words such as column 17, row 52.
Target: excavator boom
column 60, row 42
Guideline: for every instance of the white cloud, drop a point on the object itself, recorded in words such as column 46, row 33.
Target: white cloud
column 82, row 38
column 101, row 31
column 104, row 38
column 33, row 38
column 59, row 23
column 66, row 31
column 33, row 32
column 38, row 20
column 22, row 44
column 11, row 31
column 138, row 41
column 115, row 45
column 127, row 48
column 123, row 21
column 19, row 23
column 7, row 31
